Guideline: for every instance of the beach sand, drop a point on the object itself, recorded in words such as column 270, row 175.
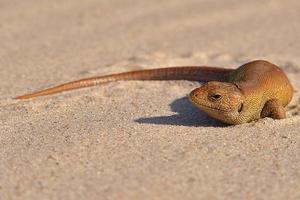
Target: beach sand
column 141, row 140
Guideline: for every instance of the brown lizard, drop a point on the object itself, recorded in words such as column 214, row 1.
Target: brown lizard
column 254, row 90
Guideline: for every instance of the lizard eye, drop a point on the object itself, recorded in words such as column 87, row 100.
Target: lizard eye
column 215, row 97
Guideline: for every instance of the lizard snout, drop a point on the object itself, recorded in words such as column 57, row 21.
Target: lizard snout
column 196, row 94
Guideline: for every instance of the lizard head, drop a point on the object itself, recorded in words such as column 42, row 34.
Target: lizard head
column 223, row 101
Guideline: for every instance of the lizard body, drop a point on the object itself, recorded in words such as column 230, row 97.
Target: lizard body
column 254, row 90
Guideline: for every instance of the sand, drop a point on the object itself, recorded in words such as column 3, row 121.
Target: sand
column 141, row 140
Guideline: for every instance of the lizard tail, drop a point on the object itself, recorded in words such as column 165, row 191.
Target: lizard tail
column 202, row 74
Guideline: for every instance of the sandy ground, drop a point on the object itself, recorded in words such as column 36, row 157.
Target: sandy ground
column 141, row 140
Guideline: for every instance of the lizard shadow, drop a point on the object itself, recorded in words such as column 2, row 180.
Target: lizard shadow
column 187, row 115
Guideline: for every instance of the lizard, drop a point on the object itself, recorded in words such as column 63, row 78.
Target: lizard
column 252, row 91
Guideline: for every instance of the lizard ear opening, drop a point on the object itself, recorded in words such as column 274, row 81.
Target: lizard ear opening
column 241, row 106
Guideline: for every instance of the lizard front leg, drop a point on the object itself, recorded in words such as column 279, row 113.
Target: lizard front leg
column 274, row 109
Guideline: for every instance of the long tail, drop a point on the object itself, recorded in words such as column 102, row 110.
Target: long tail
column 202, row 74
